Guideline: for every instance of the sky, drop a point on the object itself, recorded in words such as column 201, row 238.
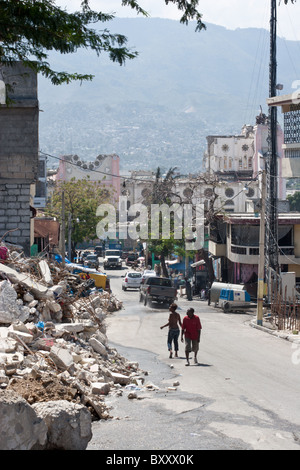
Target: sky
column 229, row 13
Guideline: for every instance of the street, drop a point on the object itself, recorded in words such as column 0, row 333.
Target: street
column 243, row 394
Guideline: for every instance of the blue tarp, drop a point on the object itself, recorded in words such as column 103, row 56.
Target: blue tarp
column 77, row 268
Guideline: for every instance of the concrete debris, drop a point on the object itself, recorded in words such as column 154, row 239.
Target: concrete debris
column 21, row 429
column 56, row 365
column 69, row 425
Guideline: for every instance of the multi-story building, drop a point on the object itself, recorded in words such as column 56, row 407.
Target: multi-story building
column 290, row 107
column 104, row 168
column 241, row 157
column 234, row 243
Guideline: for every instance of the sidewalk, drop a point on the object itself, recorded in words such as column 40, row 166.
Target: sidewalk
column 266, row 327
column 283, row 334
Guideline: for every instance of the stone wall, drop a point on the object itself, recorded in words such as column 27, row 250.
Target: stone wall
column 18, row 151
column 15, row 213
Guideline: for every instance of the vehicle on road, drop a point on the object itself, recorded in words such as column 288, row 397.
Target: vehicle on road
column 148, row 273
column 91, row 261
column 158, row 289
column 98, row 250
column 131, row 260
column 112, row 259
column 131, row 280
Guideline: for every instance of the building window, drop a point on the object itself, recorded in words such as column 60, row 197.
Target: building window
column 42, row 169
column 291, row 125
column 208, row 192
column 240, row 164
column 250, row 192
column 229, row 192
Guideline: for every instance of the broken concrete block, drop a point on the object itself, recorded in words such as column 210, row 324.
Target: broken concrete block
column 3, row 378
column 28, row 297
column 39, row 291
column 100, row 388
column 27, row 338
column 45, row 272
column 7, row 345
column 10, row 309
column 53, row 306
column 101, row 337
column 69, row 424
column 120, row 378
column 61, row 358
column 98, row 346
column 21, row 428
column 70, row 327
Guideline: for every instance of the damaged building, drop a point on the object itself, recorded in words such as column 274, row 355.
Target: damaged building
column 19, row 117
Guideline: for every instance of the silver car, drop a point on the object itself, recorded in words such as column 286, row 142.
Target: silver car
column 91, row 261
column 131, row 280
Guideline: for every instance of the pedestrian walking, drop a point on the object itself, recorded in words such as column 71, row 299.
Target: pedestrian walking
column 191, row 330
column 174, row 331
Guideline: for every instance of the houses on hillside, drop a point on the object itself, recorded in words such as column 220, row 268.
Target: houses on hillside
column 232, row 180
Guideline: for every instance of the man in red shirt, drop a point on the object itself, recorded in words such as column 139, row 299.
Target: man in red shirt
column 191, row 329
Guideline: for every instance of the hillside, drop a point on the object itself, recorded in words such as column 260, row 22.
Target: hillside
column 159, row 108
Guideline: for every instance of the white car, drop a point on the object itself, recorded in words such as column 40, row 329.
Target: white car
column 148, row 273
column 132, row 280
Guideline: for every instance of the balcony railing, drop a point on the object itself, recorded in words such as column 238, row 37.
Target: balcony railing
column 254, row 251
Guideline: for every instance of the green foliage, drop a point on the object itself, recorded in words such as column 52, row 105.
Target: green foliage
column 294, row 201
column 82, row 197
column 163, row 193
column 31, row 28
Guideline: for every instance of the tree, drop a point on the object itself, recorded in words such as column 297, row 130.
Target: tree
column 163, row 192
column 294, row 201
column 31, row 28
column 81, row 197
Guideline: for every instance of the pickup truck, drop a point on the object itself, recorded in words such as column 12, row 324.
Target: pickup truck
column 158, row 289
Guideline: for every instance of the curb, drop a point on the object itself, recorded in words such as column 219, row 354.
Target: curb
column 288, row 337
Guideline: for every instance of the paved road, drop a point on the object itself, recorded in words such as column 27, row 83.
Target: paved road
column 243, row 394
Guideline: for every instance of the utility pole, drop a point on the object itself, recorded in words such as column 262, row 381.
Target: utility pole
column 70, row 236
column 272, row 265
column 63, row 229
column 261, row 266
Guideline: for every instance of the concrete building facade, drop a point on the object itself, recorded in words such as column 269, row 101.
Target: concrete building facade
column 19, row 117
column 104, row 168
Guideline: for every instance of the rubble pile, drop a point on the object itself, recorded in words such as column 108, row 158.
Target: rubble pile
column 53, row 343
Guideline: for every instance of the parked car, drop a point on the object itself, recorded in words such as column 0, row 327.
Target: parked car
column 91, row 261
column 159, row 289
column 131, row 280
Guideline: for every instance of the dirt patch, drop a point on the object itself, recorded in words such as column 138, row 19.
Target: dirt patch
column 41, row 389
column 50, row 388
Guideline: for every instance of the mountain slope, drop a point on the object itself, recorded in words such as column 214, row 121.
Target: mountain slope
column 159, row 108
